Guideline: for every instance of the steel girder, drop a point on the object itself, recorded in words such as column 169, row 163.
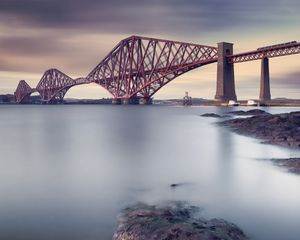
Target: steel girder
column 138, row 66
column 275, row 51
column 54, row 85
column 23, row 91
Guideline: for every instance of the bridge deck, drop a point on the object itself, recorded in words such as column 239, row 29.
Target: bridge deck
column 276, row 51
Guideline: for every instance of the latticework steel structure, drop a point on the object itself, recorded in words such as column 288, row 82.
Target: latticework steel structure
column 139, row 66
column 54, row 85
column 23, row 91
column 276, row 51
column 136, row 68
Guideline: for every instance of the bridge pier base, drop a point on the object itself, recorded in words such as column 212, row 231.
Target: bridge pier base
column 133, row 101
column 126, row 101
column 225, row 74
column 115, row 101
column 145, row 101
column 265, row 92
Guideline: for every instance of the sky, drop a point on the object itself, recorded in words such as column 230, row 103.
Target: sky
column 75, row 35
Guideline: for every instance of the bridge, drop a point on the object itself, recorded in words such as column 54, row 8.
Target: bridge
column 138, row 67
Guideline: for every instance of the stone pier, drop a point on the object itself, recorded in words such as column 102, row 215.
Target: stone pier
column 145, row 101
column 265, row 93
column 129, row 101
column 225, row 74
column 115, row 101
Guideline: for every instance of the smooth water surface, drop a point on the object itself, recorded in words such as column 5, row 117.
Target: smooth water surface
column 66, row 171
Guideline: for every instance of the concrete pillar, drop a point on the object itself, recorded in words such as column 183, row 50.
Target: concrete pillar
column 132, row 101
column 125, row 101
column 145, row 101
column 265, row 93
column 225, row 74
column 116, row 101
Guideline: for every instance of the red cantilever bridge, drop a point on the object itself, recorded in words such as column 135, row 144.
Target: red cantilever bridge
column 139, row 66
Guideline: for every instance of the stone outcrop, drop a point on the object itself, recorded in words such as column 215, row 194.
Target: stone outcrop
column 213, row 115
column 291, row 164
column 173, row 221
column 281, row 129
column 252, row 112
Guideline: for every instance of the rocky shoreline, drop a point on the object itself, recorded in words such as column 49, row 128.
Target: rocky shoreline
column 279, row 129
column 176, row 220
column 290, row 164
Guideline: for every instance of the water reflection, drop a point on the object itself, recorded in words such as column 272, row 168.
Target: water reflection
column 66, row 171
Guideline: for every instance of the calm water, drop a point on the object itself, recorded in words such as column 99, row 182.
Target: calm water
column 67, row 171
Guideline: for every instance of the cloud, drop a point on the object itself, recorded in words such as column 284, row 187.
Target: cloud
column 75, row 35
column 290, row 79
column 148, row 16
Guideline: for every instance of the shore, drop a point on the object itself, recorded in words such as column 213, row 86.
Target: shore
column 278, row 129
column 174, row 220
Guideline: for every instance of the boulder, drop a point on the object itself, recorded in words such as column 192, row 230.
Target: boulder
column 175, row 220
column 280, row 129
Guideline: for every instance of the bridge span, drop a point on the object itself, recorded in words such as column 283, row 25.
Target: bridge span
column 138, row 67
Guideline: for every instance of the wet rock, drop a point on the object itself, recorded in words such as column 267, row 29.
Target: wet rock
column 291, row 164
column 248, row 113
column 280, row 129
column 174, row 185
column 173, row 221
column 214, row 115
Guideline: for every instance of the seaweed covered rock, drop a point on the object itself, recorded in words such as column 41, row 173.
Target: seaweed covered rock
column 213, row 115
column 281, row 129
column 175, row 220
column 252, row 112
column 291, row 164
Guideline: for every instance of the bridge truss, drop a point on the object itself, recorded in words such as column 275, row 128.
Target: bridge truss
column 276, row 51
column 138, row 67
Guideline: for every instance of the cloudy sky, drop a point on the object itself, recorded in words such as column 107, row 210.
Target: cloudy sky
column 74, row 36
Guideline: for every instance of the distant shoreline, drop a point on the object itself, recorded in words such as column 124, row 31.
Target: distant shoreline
column 8, row 99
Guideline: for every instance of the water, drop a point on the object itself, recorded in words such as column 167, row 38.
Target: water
column 68, row 170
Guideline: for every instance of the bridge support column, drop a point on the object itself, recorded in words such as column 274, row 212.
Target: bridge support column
column 265, row 92
column 225, row 74
column 115, row 101
column 145, row 101
column 126, row 101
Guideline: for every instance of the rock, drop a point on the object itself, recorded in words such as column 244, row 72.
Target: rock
column 248, row 113
column 291, row 164
column 240, row 112
column 280, row 129
column 175, row 220
column 256, row 112
column 214, row 115
column 175, row 185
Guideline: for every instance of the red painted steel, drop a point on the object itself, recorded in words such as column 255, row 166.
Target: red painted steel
column 54, row 85
column 23, row 91
column 136, row 68
column 139, row 66
column 266, row 52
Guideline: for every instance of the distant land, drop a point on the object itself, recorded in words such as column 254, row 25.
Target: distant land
column 9, row 99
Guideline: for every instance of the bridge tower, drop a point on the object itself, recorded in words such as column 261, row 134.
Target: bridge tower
column 265, row 93
column 225, row 73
